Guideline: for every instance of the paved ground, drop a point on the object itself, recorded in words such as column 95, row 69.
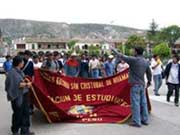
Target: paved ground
column 164, row 120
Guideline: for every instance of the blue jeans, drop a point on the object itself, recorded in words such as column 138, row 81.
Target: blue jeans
column 157, row 83
column 95, row 73
column 139, row 104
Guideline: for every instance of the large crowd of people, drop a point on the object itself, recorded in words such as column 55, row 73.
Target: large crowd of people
column 73, row 65
column 87, row 66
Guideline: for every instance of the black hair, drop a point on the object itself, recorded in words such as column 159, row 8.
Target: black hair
column 17, row 60
column 41, row 53
column 8, row 56
column 28, row 53
column 55, row 53
column 35, row 56
column 20, row 53
column 155, row 55
column 139, row 50
column 176, row 56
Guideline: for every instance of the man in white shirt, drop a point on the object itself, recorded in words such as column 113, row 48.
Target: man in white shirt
column 156, row 66
column 94, row 66
column 36, row 62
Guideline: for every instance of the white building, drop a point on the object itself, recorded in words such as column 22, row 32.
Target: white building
column 39, row 44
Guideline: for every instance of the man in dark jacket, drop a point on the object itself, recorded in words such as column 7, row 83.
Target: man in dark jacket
column 17, row 88
column 172, row 73
column 138, row 67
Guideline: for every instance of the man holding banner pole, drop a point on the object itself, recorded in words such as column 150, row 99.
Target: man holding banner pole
column 138, row 66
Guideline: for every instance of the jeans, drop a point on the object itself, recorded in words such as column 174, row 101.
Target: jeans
column 139, row 104
column 157, row 83
column 21, row 115
column 95, row 73
column 84, row 74
column 172, row 87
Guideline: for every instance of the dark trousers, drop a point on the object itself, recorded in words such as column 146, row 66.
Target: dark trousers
column 171, row 88
column 21, row 115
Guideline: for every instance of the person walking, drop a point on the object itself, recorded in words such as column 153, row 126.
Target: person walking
column 156, row 66
column 7, row 65
column 172, row 73
column 17, row 88
column 138, row 66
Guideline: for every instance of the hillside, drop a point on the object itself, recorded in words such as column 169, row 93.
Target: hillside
column 19, row 28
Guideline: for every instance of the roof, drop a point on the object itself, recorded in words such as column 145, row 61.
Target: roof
column 60, row 40
column 177, row 41
column 40, row 40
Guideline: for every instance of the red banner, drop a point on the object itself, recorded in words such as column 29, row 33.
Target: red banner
column 68, row 99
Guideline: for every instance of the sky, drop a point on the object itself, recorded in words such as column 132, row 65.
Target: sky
column 131, row 13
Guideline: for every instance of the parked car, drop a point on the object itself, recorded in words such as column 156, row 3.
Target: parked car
column 2, row 60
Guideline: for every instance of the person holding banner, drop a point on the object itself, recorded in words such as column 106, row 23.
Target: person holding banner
column 138, row 66
column 17, row 88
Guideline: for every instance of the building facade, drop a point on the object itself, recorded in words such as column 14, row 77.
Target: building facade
column 39, row 44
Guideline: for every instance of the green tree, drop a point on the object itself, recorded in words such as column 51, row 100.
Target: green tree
column 170, row 34
column 162, row 50
column 153, row 33
column 71, row 44
column 94, row 50
column 125, row 49
column 8, row 40
column 135, row 40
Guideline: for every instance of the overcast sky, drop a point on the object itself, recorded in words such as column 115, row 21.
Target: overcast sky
column 132, row 13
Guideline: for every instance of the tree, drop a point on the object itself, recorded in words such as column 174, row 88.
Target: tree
column 134, row 41
column 162, row 50
column 94, row 50
column 153, row 28
column 152, row 34
column 170, row 34
column 125, row 49
column 71, row 44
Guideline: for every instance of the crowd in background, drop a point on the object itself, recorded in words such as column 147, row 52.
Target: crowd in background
column 71, row 65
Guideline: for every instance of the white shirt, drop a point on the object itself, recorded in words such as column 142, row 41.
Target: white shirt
column 94, row 64
column 121, row 67
column 173, row 74
column 37, row 65
column 158, row 69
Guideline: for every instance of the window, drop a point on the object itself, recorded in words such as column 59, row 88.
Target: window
column 33, row 46
column 20, row 46
column 86, row 47
column 39, row 46
column 57, row 46
column 49, row 46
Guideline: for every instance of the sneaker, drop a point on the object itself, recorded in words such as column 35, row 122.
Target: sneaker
column 30, row 133
column 15, row 134
column 157, row 94
column 176, row 104
column 144, row 123
column 133, row 124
